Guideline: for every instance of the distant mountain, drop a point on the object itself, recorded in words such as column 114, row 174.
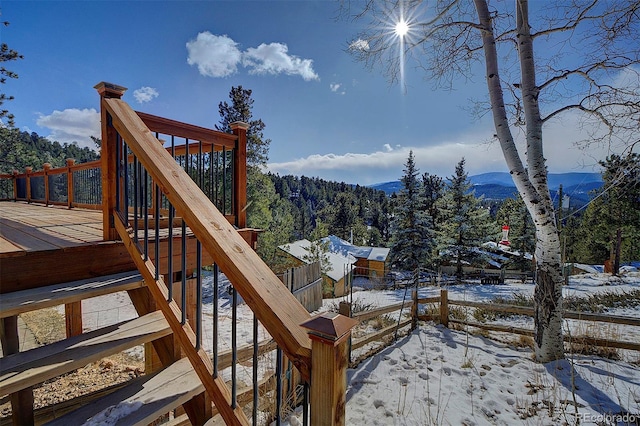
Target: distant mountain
column 555, row 179
column 499, row 185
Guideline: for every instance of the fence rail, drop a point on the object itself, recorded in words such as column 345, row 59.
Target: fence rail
column 442, row 315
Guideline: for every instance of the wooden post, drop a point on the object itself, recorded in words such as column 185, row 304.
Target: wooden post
column 345, row 309
column 240, row 173
column 22, row 401
column 108, row 159
column 45, row 175
column 444, row 307
column 329, row 334
column 15, row 185
column 414, row 310
column 70, row 163
column 73, row 318
column 28, row 171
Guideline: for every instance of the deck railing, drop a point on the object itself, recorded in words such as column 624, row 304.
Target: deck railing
column 75, row 185
column 150, row 195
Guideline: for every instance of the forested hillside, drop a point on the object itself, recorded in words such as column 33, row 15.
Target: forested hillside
column 21, row 149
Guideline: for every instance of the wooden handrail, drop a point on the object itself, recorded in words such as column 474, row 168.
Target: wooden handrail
column 189, row 131
column 276, row 308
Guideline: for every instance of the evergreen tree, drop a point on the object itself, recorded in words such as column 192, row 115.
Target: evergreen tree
column 432, row 190
column 412, row 237
column 465, row 225
column 610, row 228
column 7, row 55
column 240, row 109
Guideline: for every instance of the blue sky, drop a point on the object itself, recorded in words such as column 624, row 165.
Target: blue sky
column 326, row 115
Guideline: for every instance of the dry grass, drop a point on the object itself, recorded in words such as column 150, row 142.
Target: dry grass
column 47, row 325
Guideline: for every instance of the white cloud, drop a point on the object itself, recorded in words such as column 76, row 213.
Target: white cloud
column 335, row 88
column 441, row 158
column 359, row 44
column 145, row 94
column 273, row 58
column 72, row 125
column 219, row 56
column 215, row 56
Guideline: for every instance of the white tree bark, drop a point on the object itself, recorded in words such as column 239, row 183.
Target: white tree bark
column 532, row 181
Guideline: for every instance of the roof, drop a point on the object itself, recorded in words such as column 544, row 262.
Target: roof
column 345, row 248
column 338, row 263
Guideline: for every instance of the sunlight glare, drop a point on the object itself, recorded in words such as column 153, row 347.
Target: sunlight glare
column 402, row 28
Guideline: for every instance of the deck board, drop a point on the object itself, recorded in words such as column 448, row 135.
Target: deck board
column 35, row 227
column 25, row 369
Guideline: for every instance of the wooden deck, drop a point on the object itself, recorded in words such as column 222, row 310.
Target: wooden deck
column 42, row 245
column 35, row 227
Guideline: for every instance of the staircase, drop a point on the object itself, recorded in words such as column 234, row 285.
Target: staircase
column 140, row 402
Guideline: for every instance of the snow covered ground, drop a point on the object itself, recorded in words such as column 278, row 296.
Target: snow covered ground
column 440, row 376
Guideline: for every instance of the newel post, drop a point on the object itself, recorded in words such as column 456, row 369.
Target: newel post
column 108, row 159
column 239, row 129
column 329, row 334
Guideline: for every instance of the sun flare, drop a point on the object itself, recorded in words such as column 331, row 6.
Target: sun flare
column 402, row 28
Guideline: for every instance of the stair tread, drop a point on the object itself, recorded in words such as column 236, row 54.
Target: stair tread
column 142, row 401
column 25, row 369
column 58, row 294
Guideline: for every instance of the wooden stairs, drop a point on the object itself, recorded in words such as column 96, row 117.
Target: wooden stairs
column 140, row 401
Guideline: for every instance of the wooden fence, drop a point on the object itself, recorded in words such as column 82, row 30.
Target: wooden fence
column 441, row 313
column 305, row 282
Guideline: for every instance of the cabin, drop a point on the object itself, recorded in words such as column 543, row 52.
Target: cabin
column 165, row 202
column 371, row 262
column 337, row 272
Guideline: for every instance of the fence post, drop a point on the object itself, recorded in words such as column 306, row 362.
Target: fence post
column 444, row 308
column 70, row 163
column 27, row 180
column 414, row 310
column 45, row 175
column 329, row 334
column 108, row 159
column 239, row 129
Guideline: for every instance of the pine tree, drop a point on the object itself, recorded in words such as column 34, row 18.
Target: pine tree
column 240, row 109
column 412, row 237
column 6, row 55
column 465, row 224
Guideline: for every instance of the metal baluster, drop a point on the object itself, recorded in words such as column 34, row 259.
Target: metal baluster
column 145, row 206
column 278, row 385
column 198, row 295
column 215, row 320
column 157, row 230
column 183, row 264
column 234, row 345
column 224, row 181
column 254, row 414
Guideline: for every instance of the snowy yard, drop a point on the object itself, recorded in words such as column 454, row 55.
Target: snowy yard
column 440, row 376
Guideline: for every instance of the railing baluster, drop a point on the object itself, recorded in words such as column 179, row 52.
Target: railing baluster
column 224, row 181
column 198, row 295
column 278, row 385
column 234, row 345
column 156, row 215
column 183, row 274
column 256, row 395
column 170, row 254
column 146, row 213
column 215, row 320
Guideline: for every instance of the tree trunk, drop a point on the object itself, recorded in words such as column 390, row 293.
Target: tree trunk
column 616, row 253
column 531, row 182
column 548, row 296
